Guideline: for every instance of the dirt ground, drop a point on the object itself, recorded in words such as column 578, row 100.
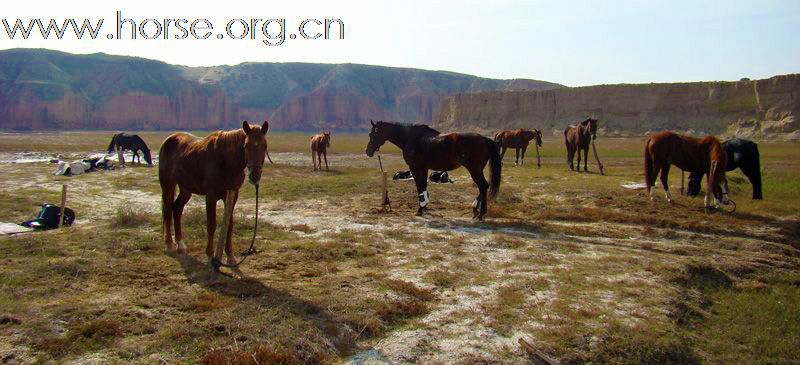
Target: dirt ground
column 578, row 266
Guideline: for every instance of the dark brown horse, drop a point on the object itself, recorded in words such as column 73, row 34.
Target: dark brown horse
column 519, row 140
column 696, row 155
column 207, row 166
column 578, row 138
column 319, row 149
column 425, row 148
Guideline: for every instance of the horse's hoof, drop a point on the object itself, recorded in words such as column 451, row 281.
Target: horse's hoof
column 670, row 201
column 170, row 250
column 231, row 260
column 181, row 248
column 709, row 209
column 419, row 213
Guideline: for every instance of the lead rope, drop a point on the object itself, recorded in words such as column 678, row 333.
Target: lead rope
column 215, row 261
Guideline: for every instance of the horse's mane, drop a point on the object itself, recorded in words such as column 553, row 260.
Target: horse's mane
column 413, row 130
column 421, row 129
column 226, row 142
column 140, row 140
column 586, row 122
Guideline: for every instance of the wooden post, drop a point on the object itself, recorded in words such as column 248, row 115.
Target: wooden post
column 599, row 164
column 222, row 240
column 63, row 204
column 386, row 189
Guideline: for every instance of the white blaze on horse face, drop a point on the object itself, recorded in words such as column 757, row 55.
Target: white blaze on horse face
column 423, row 199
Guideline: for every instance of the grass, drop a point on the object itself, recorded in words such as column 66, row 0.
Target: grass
column 589, row 271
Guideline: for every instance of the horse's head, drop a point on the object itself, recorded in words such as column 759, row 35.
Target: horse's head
column 718, row 182
column 326, row 137
column 255, row 149
column 537, row 136
column 147, row 157
column 377, row 137
column 592, row 124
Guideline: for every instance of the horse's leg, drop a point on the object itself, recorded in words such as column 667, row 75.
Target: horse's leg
column 586, row 159
column 211, row 222
column 651, row 184
column 314, row 159
column 177, row 212
column 483, row 185
column 570, row 156
column 664, row 177
column 522, row 156
column 135, row 157
column 709, row 192
column 578, row 152
column 167, row 196
column 229, row 243
column 325, row 154
column 516, row 157
column 503, row 152
column 421, row 180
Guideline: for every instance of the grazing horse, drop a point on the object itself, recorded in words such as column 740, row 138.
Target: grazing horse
column 131, row 142
column 425, row 148
column 319, row 149
column 579, row 138
column 207, row 166
column 742, row 154
column 696, row 155
column 518, row 140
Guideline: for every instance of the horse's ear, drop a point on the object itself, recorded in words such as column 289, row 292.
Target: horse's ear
column 373, row 123
column 265, row 127
column 246, row 127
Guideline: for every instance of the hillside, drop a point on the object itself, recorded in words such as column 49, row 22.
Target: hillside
column 757, row 108
column 43, row 89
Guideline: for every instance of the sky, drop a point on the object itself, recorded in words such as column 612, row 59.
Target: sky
column 575, row 43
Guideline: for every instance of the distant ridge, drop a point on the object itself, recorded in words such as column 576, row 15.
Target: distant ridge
column 45, row 89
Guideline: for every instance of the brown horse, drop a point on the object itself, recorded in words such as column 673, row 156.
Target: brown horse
column 207, row 166
column 518, row 140
column 696, row 155
column 578, row 138
column 319, row 149
column 425, row 148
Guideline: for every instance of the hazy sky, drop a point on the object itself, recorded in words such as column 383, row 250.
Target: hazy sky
column 570, row 42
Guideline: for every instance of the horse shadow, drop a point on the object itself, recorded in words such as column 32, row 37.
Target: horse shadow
column 246, row 289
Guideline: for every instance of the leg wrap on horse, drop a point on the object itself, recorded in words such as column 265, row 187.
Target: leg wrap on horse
column 423, row 199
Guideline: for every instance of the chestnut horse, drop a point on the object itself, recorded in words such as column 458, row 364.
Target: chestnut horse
column 319, row 149
column 207, row 166
column 518, row 140
column 425, row 148
column 695, row 155
column 578, row 138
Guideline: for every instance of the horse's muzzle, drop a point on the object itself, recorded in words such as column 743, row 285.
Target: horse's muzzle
column 254, row 177
column 370, row 153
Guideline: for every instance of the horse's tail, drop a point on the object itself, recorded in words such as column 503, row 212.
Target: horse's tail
column 495, row 165
column 650, row 180
column 756, row 174
column 113, row 143
column 167, row 186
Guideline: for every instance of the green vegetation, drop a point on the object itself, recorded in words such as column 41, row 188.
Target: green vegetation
column 587, row 271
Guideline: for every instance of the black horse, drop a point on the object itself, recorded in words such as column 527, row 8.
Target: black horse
column 742, row 154
column 133, row 143
column 425, row 148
